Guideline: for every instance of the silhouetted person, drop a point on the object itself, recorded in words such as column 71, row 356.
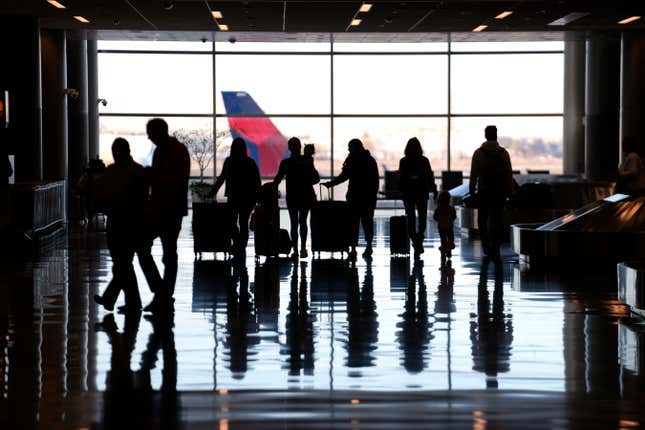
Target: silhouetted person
column 491, row 334
column 445, row 216
column 416, row 183
column 299, row 325
column 361, row 171
column 123, row 196
column 242, row 179
column 415, row 335
column 632, row 168
column 300, row 175
column 491, row 179
column 87, row 188
column 362, row 321
column 168, row 204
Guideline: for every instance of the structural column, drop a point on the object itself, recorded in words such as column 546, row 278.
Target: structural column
column 93, row 97
column 602, row 105
column 632, row 86
column 54, row 73
column 574, row 104
column 20, row 75
column 77, row 106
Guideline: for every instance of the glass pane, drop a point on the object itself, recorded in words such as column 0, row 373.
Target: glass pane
column 278, row 84
column 156, row 83
column 533, row 142
column 390, row 84
column 390, row 47
column 507, row 46
column 134, row 130
column 266, row 132
column 322, row 46
column 386, row 138
column 507, row 83
column 150, row 45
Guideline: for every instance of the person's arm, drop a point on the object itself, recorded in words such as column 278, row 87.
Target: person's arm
column 509, row 172
column 315, row 176
column 257, row 181
column 220, row 179
column 432, row 185
column 344, row 175
column 403, row 176
column 472, row 184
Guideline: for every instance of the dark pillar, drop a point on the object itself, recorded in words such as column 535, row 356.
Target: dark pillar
column 602, row 106
column 77, row 107
column 574, row 104
column 632, row 86
column 54, row 62
column 20, row 75
column 93, row 96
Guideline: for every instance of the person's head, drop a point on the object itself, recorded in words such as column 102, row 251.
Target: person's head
column 413, row 148
column 157, row 130
column 309, row 150
column 238, row 148
column 490, row 132
column 443, row 199
column 354, row 146
column 121, row 150
column 96, row 165
column 294, row 146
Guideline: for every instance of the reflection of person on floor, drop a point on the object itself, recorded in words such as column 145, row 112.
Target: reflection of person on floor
column 299, row 326
column 445, row 216
column 300, row 175
column 416, row 184
column 168, row 204
column 362, row 321
column 361, row 171
column 123, row 195
column 414, row 336
column 491, row 179
column 239, row 320
column 242, row 179
column 491, row 334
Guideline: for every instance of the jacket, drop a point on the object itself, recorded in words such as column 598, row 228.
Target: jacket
column 491, row 173
column 416, row 178
column 362, row 172
column 169, row 177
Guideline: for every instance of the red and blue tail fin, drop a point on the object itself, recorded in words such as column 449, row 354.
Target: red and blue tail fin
column 267, row 146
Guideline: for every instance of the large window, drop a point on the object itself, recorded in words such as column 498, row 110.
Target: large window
column 327, row 89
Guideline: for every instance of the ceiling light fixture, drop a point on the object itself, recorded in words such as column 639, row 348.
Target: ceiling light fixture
column 480, row 28
column 628, row 20
column 81, row 19
column 223, row 27
column 573, row 16
column 365, row 7
column 56, row 4
column 504, row 14
column 217, row 14
column 355, row 22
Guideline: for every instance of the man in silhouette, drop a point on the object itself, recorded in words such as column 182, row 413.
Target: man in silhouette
column 122, row 192
column 168, row 204
column 361, row 171
column 491, row 177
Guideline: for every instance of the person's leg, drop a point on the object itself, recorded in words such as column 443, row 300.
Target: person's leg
column 169, row 234
column 482, row 225
column 293, row 223
column 354, row 227
column 144, row 254
column 496, row 228
column 422, row 207
column 130, row 285
column 411, row 217
column 244, row 215
column 303, row 214
column 111, row 293
column 367, row 219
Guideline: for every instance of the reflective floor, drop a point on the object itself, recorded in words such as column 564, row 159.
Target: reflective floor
column 318, row 344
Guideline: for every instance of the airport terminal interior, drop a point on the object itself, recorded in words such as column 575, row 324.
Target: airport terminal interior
column 414, row 331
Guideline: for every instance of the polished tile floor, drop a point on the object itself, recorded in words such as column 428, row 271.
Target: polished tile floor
column 318, row 344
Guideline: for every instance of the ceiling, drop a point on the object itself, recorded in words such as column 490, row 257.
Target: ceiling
column 125, row 16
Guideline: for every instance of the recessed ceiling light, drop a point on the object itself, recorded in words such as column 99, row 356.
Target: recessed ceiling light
column 365, row 7
column 81, row 19
column 569, row 18
column 480, row 28
column 217, row 14
column 223, row 27
column 630, row 19
column 504, row 14
column 355, row 22
column 56, row 4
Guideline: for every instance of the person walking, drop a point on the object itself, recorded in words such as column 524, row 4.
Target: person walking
column 242, row 179
column 445, row 216
column 491, row 180
column 168, row 204
column 361, row 171
column 301, row 176
column 416, row 183
column 122, row 193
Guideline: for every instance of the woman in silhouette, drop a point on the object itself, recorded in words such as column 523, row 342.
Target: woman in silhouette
column 416, row 183
column 242, row 185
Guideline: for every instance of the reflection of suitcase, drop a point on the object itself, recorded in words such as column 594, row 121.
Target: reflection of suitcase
column 399, row 239
column 330, row 226
column 331, row 280
column 212, row 228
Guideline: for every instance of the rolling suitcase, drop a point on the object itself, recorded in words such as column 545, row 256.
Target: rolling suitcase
column 330, row 226
column 399, row 238
column 212, row 228
column 266, row 231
